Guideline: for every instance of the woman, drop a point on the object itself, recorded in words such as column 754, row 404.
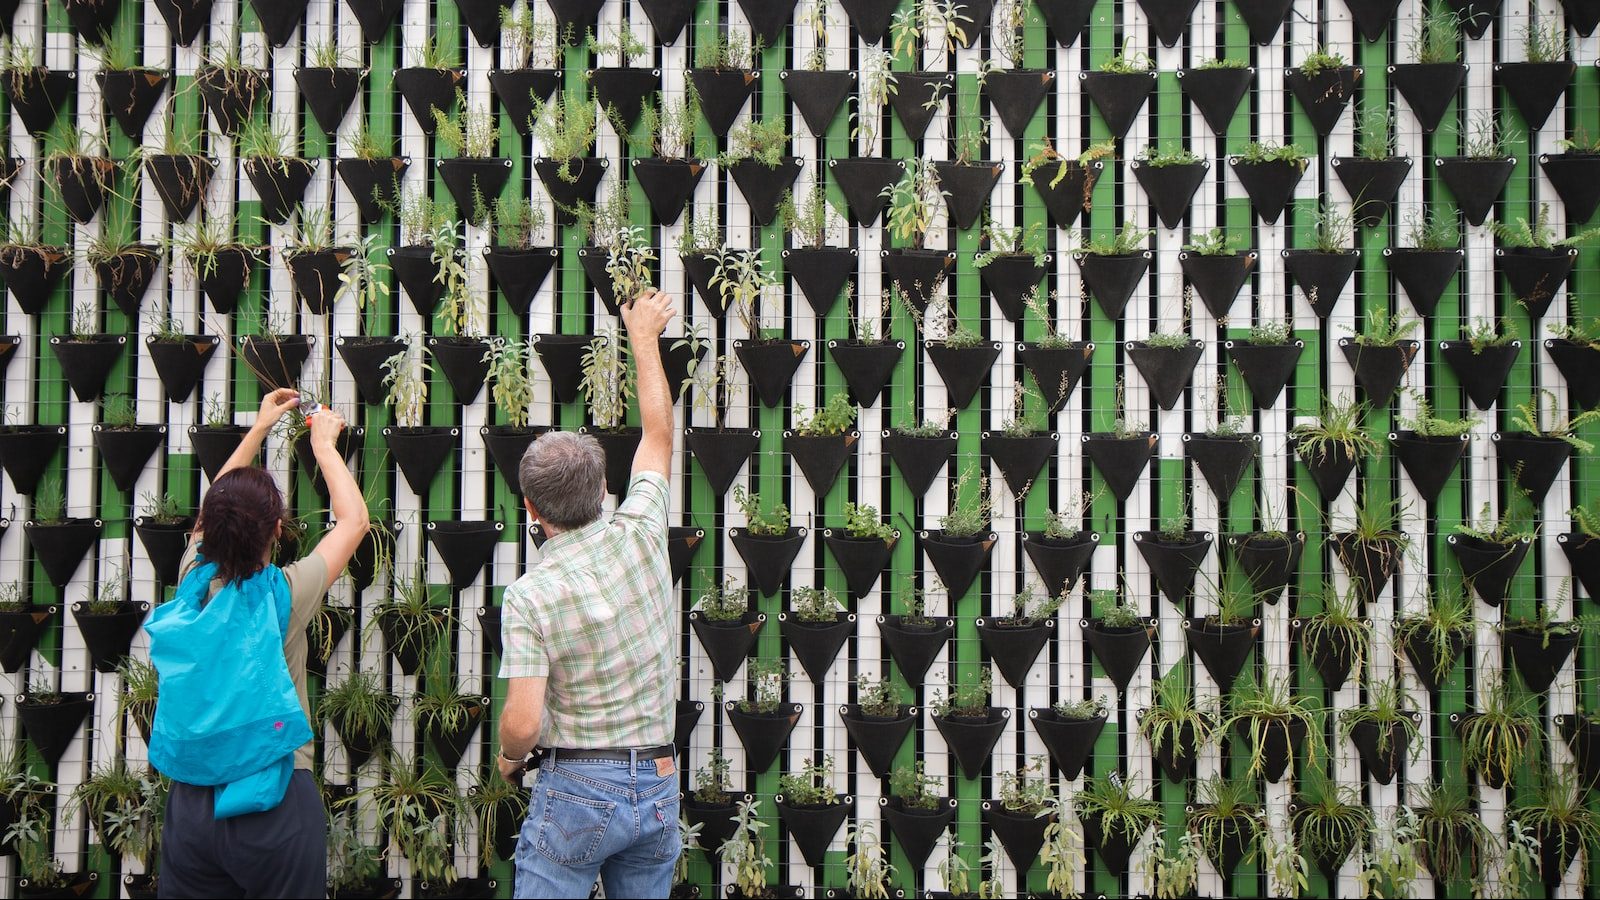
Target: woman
column 279, row 852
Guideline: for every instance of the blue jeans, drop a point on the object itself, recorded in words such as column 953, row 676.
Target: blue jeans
column 613, row 820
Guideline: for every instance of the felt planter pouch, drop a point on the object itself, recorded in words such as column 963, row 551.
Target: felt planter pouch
column 721, row 453
column 213, row 444
column 1166, row 370
column 1475, row 183
column 1268, row 561
column 1014, row 649
column 1114, row 848
column 469, row 179
column 36, row 94
column 108, row 636
column 1379, row 369
column 762, row 735
column 129, row 95
column 861, row 559
column 1424, row 274
column 768, row 18
column 668, row 17
column 625, row 90
column 280, row 184
column 966, row 189
column 1065, row 19
column 820, row 457
column 1483, row 372
column 813, row 827
column 316, row 277
column 771, row 366
column 1216, row 92
column 1056, row 370
column 125, row 451
column 972, row 740
column 1430, row 671
column 1488, row 566
column 1330, row 468
column 1324, row 95
column 818, row 95
column 185, row 18
column 451, row 743
column 164, row 543
column 520, row 272
column 919, row 459
column 222, row 275
column 20, row 631
column 364, row 357
column 1583, row 553
column 816, row 645
column 715, row 821
column 328, row 93
column 179, row 364
column 1540, row 656
column 1008, row 278
column 1174, row 563
column 1535, row 87
column 769, row 559
column 1533, row 461
column 1428, row 88
column 1332, row 657
column 763, row 186
column 668, row 184
column 866, row 367
column 426, row 90
column 917, row 830
column 1265, row 368
column 420, row 452
column 1119, row 650
column 562, row 358
column 578, row 186
column 723, row 93
column 957, row 560
column 1221, row 648
column 1066, row 187
column 1016, row 95
column 862, row 181
column 619, row 447
column 820, row 273
column 1372, row 185
column 1069, row 741
column 516, row 89
column 82, row 182
column 686, row 716
column 1370, row 562
column 279, row 19
column 1582, row 735
column 1111, row 279
column 917, row 97
column 1222, row 460
column 1118, row 97
column 1269, row 185
column 465, row 546
column 1382, row 747
column 1579, row 364
column 918, row 273
column 1170, row 188
column 1020, row 458
column 1120, row 460
column 1320, row 276
column 1278, row 740
column 275, row 363
column 1175, row 756
column 461, row 360
column 914, row 646
column 1576, row 178
column 52, row 726
column 126, row 276
column 1535, row 275
column 180, row 181
column 87, row 363
column 1059, row 561
column 963, row 369
column 1217, row 279
column 1429, row 461
column 576, row 15
column 878, row 738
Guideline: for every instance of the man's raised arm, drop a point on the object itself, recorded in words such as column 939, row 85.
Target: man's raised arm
column 645, row 319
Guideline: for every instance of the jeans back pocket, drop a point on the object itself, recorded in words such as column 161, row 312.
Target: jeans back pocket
column 572, row 827
column 666, row 814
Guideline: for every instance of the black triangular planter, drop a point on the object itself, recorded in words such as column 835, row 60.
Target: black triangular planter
column 963, row 369
column 470, row 179
column 1420, row 652
column 1330, row 469
column 820, row 457
column 816, row 645
column 483, row 19
column 1009, row 278
column 1118, row 97
column 700, row 269
column 1056, row 370
column 164, row 544
column 870, row 18
column 1065, row 18
column 87, row 363
column 820, row 273
column 185, row 18
column 1217, row 93
column 957, row 560
column 37, row 94
column 667, row 184
column 1324, row 95
column 315, row 275
column 1583, row 737
column 420, row 452
column 214, row 444
column 919, row 459
column 279, row 19
column 126, row 451
column 461, row 360
column 763, row 186
column 723, row 93
column 1579, row 364
column 1372, row 185
column 280, row 184
column 52, row 726
column 231, row 94
column 1424, row 274
column 619, row 447
column 715, row 821
column 451, row 744
column 364, row 562
column 1488, row 566
column 1535, row 275
column 1020, row 458
column 918, row 273
column 1482, row 374
column 913, row 99
column 1533, row 461
column 1535, row 87
column 1170, row 188
column 1370, row 563
column 506, row 445
column 763, row 735
column 465, row 546
column 913, row 647
column 129, row 95
column 768, row 18
column 1166, row 370
column 1014, row 650
column 426, row 90
column 972, row 740
column 489, row 619
column 126, row 276
column 1474, row 183
column 768, row 559
column 867, row 368
column 1174, row 563
column 1222, row 460
column 1021, row 834
column 1217, row 279
column 19, row 632
column 1576, row 178
column 1120, row 460
column 1067, row 198
column 415, row 269
column 813, row 827
column 1221, row 648
column 1321, row 276
column 328, row 93
column 1016, row 95
column 520, row 272
column 877, row 739
column 1333, row 659
column 1113, row 848
column 1539, row 656
column 223, row 274
column 771, row 366
column 1069, row 741
column 61, row 546
column 861, row 559
column 1381, row 764
column 1372, row 17
column 275, row 363
column 1476, row 15
column 180, row 181
column 375, row 17
column 576, row 16
column 1269, row 561
column 721, row 453
column 625, row 90
column 364, row 356
column 668, row 18
column 1583, row 15
column 1120, row 650
column 562, row 358
column 82, row 182
column 1263, row 18
column 1430, row 461
column 917, row 830
column 1112, row 279
column 31, row 274
column 818, row 95
column 349, row 443
column 1379, row 370
column 1168, row 20
column 727, row 644
column 1429, row 88
column 1278, row 738
column 683, row 542
column 1269, row 185
column 1059, row 561
column 108, row 636
column 516, row 89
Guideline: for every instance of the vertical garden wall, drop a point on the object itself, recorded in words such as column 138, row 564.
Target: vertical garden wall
column 1259, row 335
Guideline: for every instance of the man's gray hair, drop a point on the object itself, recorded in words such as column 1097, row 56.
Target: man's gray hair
column 563, row 474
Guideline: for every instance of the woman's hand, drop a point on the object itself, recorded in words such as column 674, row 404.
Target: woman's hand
column 325, row 427
column 274, row 405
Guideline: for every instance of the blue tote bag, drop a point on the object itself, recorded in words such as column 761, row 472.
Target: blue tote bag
column 227, row 714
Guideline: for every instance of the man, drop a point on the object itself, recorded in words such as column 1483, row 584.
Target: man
column 591, row 656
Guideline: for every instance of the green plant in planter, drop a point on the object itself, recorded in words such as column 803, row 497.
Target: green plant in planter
column 419, row 214
column 1065, row 524
column 1215, row 242
column 266, row 144
column 408, row 388
column 1426, row 424
column 832, row 418
column 967, row 700
column 1156, row 158
column 1558, row 813
column 1258, row 152
column 1484, row 333
column 766, row 677
column 811, row 785
column 359, row 707
column 1270, row 334
column 1546, row 40
column 49, row 502
column 1450, row 830
column 442, row 706
column 125, row 808
column 1018, row 241
column 816, row 605
column 1435, row 228
column 741, row 277
column 1330, row 820
column 13, row 599
column 29, row 836
column 105, row 598
column 1174, row 710
column 726, row 49
column 912, row 26
column 620, row 41
column 726, row 603
column 1320, row 59
column 516, row 222
column 1052, row 339
column 510, row 378
column 809, row 216
column 765, row 142
column 867, row 868
column 861, row 522
column 628, row 263
column 1538, row 235
column 1340, row 624
column 1027, row 790
column 759, row 522
column 1449, row 613
column 1260, row 705
column 352, row 862
column 713, row 785
column 1497, row 739
column 1114, row 611
column 1531, row 418
column 565, row 126
column 527, row 40
column 1437, row 38
column 419, row 622
column 914, row 787
column 912, row 202
column 1332, row 229
column 1338, row 427
column 1080, row 710
column 1110, row 801
column 1486, row 139
column 1174, row 873
column 877, row 697
column 745, row 851
column 1226, row 807
column 1586, row 520
column 1511, row 525
column 608, row 381
column 1126, row 61
column 1169, row 340
column 970, row 512
column 419, row 807
column 1127, row 240
column 1387, row 706
column 469, row 132
column 1385, row 330
column 1027, row 611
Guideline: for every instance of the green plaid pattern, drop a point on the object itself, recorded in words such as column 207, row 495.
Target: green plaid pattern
column 596, row 617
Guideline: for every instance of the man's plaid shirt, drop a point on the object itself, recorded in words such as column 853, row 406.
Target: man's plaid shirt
column 597, row 617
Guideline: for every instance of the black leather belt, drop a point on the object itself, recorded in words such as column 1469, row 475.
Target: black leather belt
column 646, row 753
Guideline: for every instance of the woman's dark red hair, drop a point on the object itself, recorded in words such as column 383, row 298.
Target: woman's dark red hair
column 239, row 517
